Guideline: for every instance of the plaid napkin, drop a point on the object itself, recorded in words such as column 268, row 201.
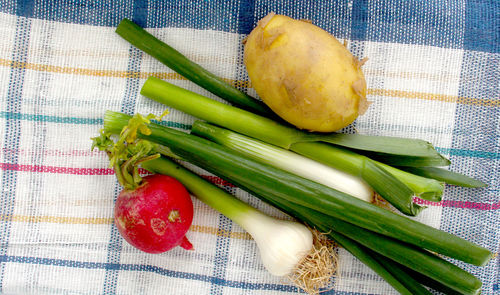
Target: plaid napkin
column 433, row 73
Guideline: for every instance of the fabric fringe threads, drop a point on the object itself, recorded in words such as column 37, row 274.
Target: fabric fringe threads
column 316, row 270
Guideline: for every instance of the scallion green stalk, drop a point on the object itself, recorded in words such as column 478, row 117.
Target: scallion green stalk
column 445, row 176
column 271, row 131
column 419, row 260
column 352, row 163
column 286, row 160
column 173, row 59
column 250, row 218
column 359, row 167
column 267, row 180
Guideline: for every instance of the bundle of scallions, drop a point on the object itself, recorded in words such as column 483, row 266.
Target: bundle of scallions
column 255, row 152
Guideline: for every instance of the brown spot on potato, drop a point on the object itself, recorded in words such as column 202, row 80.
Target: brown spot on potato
column 263, row 22
column 362, row 62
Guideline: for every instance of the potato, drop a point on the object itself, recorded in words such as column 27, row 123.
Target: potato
column 304, row 74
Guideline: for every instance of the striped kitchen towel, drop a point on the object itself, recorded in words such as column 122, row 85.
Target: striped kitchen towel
column 433, row 73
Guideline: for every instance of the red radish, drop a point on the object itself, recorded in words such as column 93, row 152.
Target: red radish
column 155, row 216
column 152, row 213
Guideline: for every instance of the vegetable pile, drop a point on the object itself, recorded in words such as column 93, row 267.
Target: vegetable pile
column 294, row 171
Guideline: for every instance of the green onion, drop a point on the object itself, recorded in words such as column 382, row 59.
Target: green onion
column 352, row 163
column 173, row 59
column 370, row 258
column 414, row 258
column 282, row 244
column 388, row 149
column 237, row 211
column 402, row 275
column 426, row 281
column 394, row 191
column 267, row 180
column 283, row 136
column 445, row 176
column 285, row 160
column 270, row 131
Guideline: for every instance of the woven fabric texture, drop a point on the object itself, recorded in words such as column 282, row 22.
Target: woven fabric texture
column 433, row 73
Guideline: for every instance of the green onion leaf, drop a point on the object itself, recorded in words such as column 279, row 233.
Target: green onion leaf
column 444, row 175
column 383, row 144
column 396, row 160
column 285, row 160
column 173, row 59
column 394, row 191
column 271, row 131
column 350, row 162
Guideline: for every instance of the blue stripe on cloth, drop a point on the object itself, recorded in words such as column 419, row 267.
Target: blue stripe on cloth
column 496, row 286
column 359, row 22
column 13, row 128
column 75, row 120
column 113, row 255
column 128, row 106
column 146, row 268
column 35, row 183
column 246, row 16
column 99, row 121
column 358, row 33
column 482, row 25
column 25, row 8
column 203, row 15
column 132, row 85
column 431, row 22
column 333, row 16
column 90, row 12
column 222, row 245
column 408, row 22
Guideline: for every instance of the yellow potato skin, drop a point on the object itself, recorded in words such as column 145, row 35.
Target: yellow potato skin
column 304, row 74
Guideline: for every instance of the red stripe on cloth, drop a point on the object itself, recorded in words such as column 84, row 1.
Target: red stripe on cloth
column 460, row 204
column 56, row 169
column 219, row 181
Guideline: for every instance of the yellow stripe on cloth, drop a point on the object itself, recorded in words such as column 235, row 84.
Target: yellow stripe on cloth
column 239, row 83
column 109, row 220
column 435, row 97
